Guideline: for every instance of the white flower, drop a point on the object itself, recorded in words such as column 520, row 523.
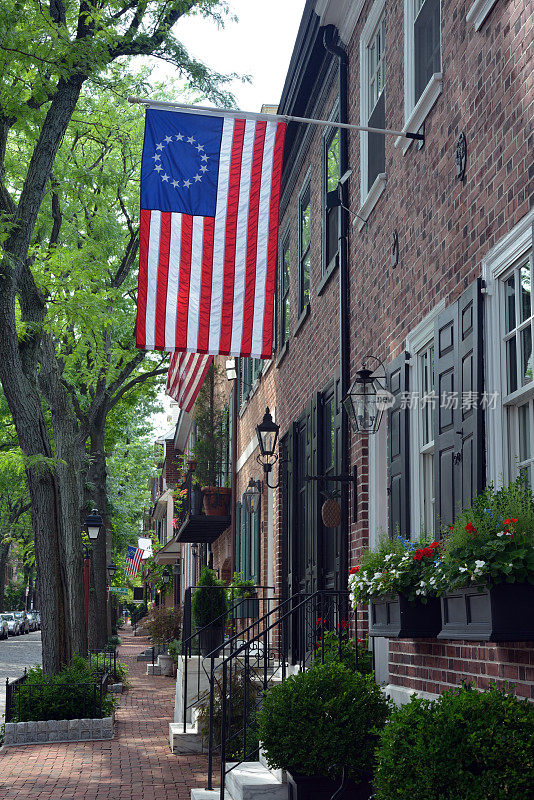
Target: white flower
column 479, row 564
column 501, row 533
column 388, row 556
column 377, row 575
column 462, row 569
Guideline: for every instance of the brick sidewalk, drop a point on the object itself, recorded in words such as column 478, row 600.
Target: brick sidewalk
column 136, row 765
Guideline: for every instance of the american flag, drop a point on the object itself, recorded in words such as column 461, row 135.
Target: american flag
column 133, row 559
column 185, row 377
column 210, row 192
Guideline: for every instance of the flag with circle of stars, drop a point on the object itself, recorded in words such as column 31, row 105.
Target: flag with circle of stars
column 210, row 191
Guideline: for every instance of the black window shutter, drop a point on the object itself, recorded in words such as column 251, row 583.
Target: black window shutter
column 238, row 545
column 256, row 566
column 398, row 449
column 289, row 509
column 459, row 452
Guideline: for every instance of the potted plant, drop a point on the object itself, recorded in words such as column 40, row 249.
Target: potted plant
column 242, row 597
column 322, row 725
column 488, row 568
column 210, row 609
column 401, row 581
column 465, row 744
column 216, row 500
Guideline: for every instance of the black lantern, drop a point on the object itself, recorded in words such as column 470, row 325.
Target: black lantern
column 112, row 569
column 251, row 496
column 93, row 523
column 267, row 432
column 367, row 399
column 165, row 577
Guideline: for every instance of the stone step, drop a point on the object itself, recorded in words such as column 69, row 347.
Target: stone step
column 153, row 669
column 188, row 742
column 251, row 780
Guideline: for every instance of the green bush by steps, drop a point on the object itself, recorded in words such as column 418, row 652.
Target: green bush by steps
column 465, row 745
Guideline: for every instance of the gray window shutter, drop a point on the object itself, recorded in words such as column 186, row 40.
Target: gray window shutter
column 459, row 451
column 238, row 543
column 398, row 449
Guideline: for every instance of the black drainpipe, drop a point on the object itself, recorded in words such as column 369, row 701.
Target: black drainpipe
column 330, row 41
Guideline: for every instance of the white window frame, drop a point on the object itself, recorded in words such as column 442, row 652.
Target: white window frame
column 479, row 11
column 375, row 14
column 513, row 247
column 416, row 113
column 420, row 338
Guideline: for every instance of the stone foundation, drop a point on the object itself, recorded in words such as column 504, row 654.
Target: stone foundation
column 58, row 730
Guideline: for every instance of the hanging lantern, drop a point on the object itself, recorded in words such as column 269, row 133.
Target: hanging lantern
column 251, row 496
column 367, row 400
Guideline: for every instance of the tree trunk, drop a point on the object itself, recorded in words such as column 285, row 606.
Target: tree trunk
column 4, row 553
column 96, row 493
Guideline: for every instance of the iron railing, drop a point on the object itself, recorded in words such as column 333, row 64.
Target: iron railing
column 285, row 640
column 237, row 620
column 103, row 661
column 23, row 699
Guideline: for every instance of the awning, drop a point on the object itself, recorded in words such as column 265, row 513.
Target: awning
column 160, row 508
column 169, row 553
column 198, row 528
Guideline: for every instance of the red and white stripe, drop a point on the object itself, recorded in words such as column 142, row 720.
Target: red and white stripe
column 207, row 284
column 185, row 377
column 133, row 566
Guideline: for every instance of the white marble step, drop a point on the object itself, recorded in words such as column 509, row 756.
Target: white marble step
column 188, row 742
column 251, row 781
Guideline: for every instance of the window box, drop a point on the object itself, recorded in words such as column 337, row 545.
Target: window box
column 246, row 609
column 393, row 616
column 316, row 787
column 500, row 614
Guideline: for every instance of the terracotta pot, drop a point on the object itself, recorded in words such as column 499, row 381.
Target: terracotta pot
column 216, row 500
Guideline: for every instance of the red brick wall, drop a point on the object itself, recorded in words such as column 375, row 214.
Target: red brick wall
column 445, row 228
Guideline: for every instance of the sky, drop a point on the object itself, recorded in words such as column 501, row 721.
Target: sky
column 259, row 44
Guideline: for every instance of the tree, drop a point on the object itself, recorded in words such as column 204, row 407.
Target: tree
column 48, row 54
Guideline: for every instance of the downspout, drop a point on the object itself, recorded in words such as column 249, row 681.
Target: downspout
column 330, row 41
column 234, row 474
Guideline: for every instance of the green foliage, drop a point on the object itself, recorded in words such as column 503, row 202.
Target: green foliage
column 466, row 745
column 493, row 541
column 67, row 695
column 163, row 624
column 209, row 601
column 14, row 597
column 175, row 649
column 317, row 722
column 114, row 641
column 341, row 649
column 241, row 700
column 210, row 417
column 241, row 587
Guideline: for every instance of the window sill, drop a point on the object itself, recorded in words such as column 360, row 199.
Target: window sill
column 479, row 11
column 325, row 280
column 282, row 353
column 375, row 192
column 303, row 316
column 421, row 111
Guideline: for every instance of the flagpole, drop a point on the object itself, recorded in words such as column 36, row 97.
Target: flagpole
column 213, row 112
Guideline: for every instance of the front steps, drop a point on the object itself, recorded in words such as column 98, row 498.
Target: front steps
column 249, row 781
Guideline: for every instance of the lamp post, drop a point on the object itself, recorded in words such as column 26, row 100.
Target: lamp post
column 368, row 398
column 93, row 524
column 267, row 433
column 252, row 495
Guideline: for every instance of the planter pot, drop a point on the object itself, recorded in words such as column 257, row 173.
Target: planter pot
column 394, row 616
column 196, row 502
column 247, row 609
column 216, row 500
column 212, row 640
column 316, row 787
column 503, row 613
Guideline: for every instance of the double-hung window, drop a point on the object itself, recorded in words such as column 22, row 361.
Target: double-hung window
column 284, row 299
column 372, row 108
column 304, row 247
column 330, row 183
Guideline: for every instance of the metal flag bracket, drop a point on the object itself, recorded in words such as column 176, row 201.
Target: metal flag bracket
column 350, row 479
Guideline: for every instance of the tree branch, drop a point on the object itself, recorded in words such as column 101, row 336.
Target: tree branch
column 135, row 382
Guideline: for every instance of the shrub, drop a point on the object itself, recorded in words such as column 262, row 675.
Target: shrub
column 237, row 700
column 342, row 649
column 466, row 745
column 67, row 695
column 209, row 599
column 163, row 624
column 175, row 649
column 317, row 722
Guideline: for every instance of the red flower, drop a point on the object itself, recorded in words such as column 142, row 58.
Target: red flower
column 470, row 528
column 344, row 624
column 320, row 621
column 514, row 519
column 353, row 570
column 451, row 527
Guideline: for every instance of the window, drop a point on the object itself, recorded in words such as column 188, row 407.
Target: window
column 304, row 248
column 285, row 264
column 516, row 293
column 372, row 109
column 330, row 182
column 427, row 43
column 245, row 377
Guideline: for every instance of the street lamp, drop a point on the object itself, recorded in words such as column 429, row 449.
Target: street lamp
column 231, row 369
column 165, row 577
column 252, row 495
column 368, row 398
column 93, row 524
column 112, row 569
column 267, row 433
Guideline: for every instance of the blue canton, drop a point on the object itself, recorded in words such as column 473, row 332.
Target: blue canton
column 130, row 553
column 180, row 164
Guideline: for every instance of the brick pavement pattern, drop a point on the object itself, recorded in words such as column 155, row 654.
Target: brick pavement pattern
column 136, row 765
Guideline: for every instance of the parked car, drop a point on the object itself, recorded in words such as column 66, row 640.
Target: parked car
column 33, row 619
column 23, row 621
column 12, row 624
column 4, row 628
